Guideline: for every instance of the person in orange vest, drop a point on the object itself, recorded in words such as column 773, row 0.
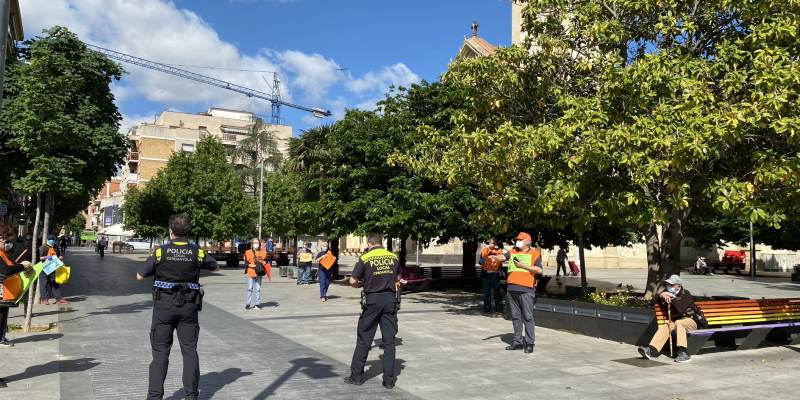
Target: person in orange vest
column 490, row 274
column 46, row 252
column 251, row 257
column 8, row 267
column 521, row 293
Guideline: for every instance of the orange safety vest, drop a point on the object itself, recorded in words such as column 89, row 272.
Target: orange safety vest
column 488, row 264
column 51, row 251
column 250, row 258
column 524, row 278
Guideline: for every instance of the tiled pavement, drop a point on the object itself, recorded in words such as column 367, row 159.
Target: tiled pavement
column 297, row 347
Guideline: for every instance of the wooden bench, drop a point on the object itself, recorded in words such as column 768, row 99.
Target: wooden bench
column 752, row 320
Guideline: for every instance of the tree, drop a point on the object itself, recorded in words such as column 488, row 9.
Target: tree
column 260, row 145
column 633, row 113
column 707, row 233
column 76, row 224
column 59, row 124
column 201, row 185
column 285, row 212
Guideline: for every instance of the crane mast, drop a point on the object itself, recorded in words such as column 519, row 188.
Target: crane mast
column 274, row 98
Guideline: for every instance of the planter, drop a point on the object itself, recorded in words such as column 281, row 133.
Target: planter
column 620, row 324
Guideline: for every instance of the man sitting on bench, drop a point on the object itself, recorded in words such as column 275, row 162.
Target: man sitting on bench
column 682, row 308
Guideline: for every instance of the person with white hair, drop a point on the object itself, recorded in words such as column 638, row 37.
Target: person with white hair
column 682, row 310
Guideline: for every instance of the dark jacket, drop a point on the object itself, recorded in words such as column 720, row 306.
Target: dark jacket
column 682, row 301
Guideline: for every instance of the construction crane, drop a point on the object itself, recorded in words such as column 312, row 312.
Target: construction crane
column 274, row 98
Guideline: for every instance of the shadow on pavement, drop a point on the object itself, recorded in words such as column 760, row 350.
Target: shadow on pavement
column 507, row 338
column 269, row 304
column 212, row 382
column 375, row 368
column 54, row 367
column 308, row 366
column 125, row 308
column 37, row 338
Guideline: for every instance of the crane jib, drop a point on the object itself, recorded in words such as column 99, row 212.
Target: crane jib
column 275, row 100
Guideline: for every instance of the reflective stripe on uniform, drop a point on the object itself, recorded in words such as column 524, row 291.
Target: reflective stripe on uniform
column 167, row 285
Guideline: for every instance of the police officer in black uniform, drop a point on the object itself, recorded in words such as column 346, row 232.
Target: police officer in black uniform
column 177, row 299
column 378, row 272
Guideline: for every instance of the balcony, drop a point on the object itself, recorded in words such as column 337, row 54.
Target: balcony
column 229, row 137
column 131, row 179
column 133, row 157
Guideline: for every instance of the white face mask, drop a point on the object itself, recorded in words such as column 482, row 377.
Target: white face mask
column 255, row 246
column 520, row 244
column 324, row 248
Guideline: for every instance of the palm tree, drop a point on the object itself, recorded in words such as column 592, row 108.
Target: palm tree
column 260, row 145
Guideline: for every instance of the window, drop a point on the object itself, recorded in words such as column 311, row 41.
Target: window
column 203, row 128
column 189, row 148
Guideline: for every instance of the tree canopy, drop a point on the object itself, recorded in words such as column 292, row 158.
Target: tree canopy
column 201, row 185
column 632, row 113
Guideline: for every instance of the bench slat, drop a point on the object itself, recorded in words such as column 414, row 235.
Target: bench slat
column 744, row 311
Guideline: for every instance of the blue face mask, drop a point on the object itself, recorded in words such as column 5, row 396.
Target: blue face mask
column 51, row 242
column 671, row 289
column 8, row 244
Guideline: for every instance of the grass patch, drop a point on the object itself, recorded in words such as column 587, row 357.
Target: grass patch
column 17, row 328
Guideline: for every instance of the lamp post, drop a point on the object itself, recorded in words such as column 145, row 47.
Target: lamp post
column 752, row 254
column 261, row 203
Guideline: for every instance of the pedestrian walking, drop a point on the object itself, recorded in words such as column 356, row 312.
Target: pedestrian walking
column 177, row 299
column 48, row 281
column 9, row 266
column 101, row 246
column 63, row 243
column 305, row 259
column 561, row 260
column 490, row 274
column 324, row 273
column 377, row 272
column 269, row 246
column 524, row 264
column 253, row 258
column 682, row 310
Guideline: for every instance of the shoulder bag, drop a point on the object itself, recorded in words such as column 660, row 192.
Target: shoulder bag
column 260, row 270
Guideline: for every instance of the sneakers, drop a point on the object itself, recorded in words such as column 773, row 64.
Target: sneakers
column 388, row 386
column 351, row 380
column 515, row 347
column 256, row 307
column 63, row 301
column 45, row 302
column 247, row 306
column 645, row 352
column 648, row 352
column 6, row 343
column 683, row 357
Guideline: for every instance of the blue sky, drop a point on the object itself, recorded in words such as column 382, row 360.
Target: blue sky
column 379, row 42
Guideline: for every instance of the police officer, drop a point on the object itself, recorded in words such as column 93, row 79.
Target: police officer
column 177, row 299
column 377, row 272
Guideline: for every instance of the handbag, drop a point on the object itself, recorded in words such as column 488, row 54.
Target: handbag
column 260, row 270
column 700, row 318
column 62, row 275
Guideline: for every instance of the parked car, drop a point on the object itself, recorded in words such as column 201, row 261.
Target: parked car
column 138, row 244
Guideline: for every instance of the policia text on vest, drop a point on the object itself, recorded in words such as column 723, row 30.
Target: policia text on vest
column 378, row 272
column 177, row 298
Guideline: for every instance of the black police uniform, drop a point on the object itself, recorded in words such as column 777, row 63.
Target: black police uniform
column 379, row 270
column 176, row 267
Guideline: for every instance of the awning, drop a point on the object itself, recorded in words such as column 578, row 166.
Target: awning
column 116, row 230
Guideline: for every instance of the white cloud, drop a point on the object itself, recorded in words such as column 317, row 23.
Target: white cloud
column 158, row 30
column 397, row 75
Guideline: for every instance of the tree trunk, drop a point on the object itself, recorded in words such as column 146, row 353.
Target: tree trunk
column 334, row 248
column 48, row 212
column 296, row 251
column 663, row 251
column 403, row 253
column 34, row 259
column 468, row 249
column 582, row 260
column 389, row 245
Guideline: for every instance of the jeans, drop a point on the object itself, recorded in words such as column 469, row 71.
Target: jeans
column 325, row 276
column 257, row 283
column 46, row 281
column 303, row 269
column 489, row 282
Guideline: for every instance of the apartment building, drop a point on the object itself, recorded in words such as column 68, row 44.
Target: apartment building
column 104, row 209
column 172, row 131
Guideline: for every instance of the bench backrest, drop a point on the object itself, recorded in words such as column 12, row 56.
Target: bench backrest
column 735, row 312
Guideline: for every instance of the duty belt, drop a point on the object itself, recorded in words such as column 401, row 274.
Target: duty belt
column 167, row 285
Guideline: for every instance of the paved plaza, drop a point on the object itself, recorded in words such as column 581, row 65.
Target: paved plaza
column 297, row 347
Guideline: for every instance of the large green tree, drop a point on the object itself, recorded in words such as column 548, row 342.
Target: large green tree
column 633, row 112
column 202, row 185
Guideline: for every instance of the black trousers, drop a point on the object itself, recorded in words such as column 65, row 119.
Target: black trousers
column 102, row 251
column 167, row 318
column 381, row 309
column 562, row 264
